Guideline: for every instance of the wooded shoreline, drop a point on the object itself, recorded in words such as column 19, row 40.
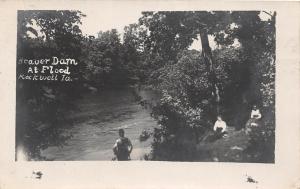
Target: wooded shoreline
column 224, row 77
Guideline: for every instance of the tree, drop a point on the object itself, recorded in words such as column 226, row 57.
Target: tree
column 171, row 32
column 257, row 39
column 236, row 76
column 109, row 63
column 133, row 50
column 41, row 104
column 166, row 36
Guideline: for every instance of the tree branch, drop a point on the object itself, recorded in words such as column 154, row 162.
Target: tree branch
column 268, row 13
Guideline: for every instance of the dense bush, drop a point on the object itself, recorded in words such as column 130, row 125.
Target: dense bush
column 186, row 80
column 183, row 110
column 262, row 144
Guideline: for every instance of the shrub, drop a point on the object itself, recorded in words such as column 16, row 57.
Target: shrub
column 262, row 144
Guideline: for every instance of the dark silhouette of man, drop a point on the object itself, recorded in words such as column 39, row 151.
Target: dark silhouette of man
column 123, row 147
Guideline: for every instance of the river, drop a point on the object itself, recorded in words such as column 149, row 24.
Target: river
column 95, row 126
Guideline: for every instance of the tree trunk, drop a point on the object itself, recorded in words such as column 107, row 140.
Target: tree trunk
column 208, row 58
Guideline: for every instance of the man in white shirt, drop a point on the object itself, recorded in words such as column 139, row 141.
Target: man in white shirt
column 254, row 120
column 220, row 125
column 255, row 116
column 255, row 113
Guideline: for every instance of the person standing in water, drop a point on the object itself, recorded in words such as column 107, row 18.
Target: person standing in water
column 123, row 147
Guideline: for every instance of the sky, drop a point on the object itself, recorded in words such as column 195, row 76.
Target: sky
column 105, row 19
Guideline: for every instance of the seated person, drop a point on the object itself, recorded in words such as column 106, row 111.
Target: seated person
column 254, row 117
column 254, row 120
column 220, row 127
column 255, row 113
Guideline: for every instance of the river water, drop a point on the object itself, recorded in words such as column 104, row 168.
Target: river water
column 96, row 123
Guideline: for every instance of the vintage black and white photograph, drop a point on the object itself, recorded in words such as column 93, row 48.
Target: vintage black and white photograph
column 183, row 86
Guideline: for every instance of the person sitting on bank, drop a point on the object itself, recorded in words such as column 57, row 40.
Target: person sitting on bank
column 254, row 120
column 255, row 113
column 123, row 147
column 255, row 116
column 220, row 126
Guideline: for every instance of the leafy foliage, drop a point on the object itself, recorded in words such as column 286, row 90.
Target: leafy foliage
column 244, row 74
column 155, row 52
column 41, row 105
column 102, row 57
